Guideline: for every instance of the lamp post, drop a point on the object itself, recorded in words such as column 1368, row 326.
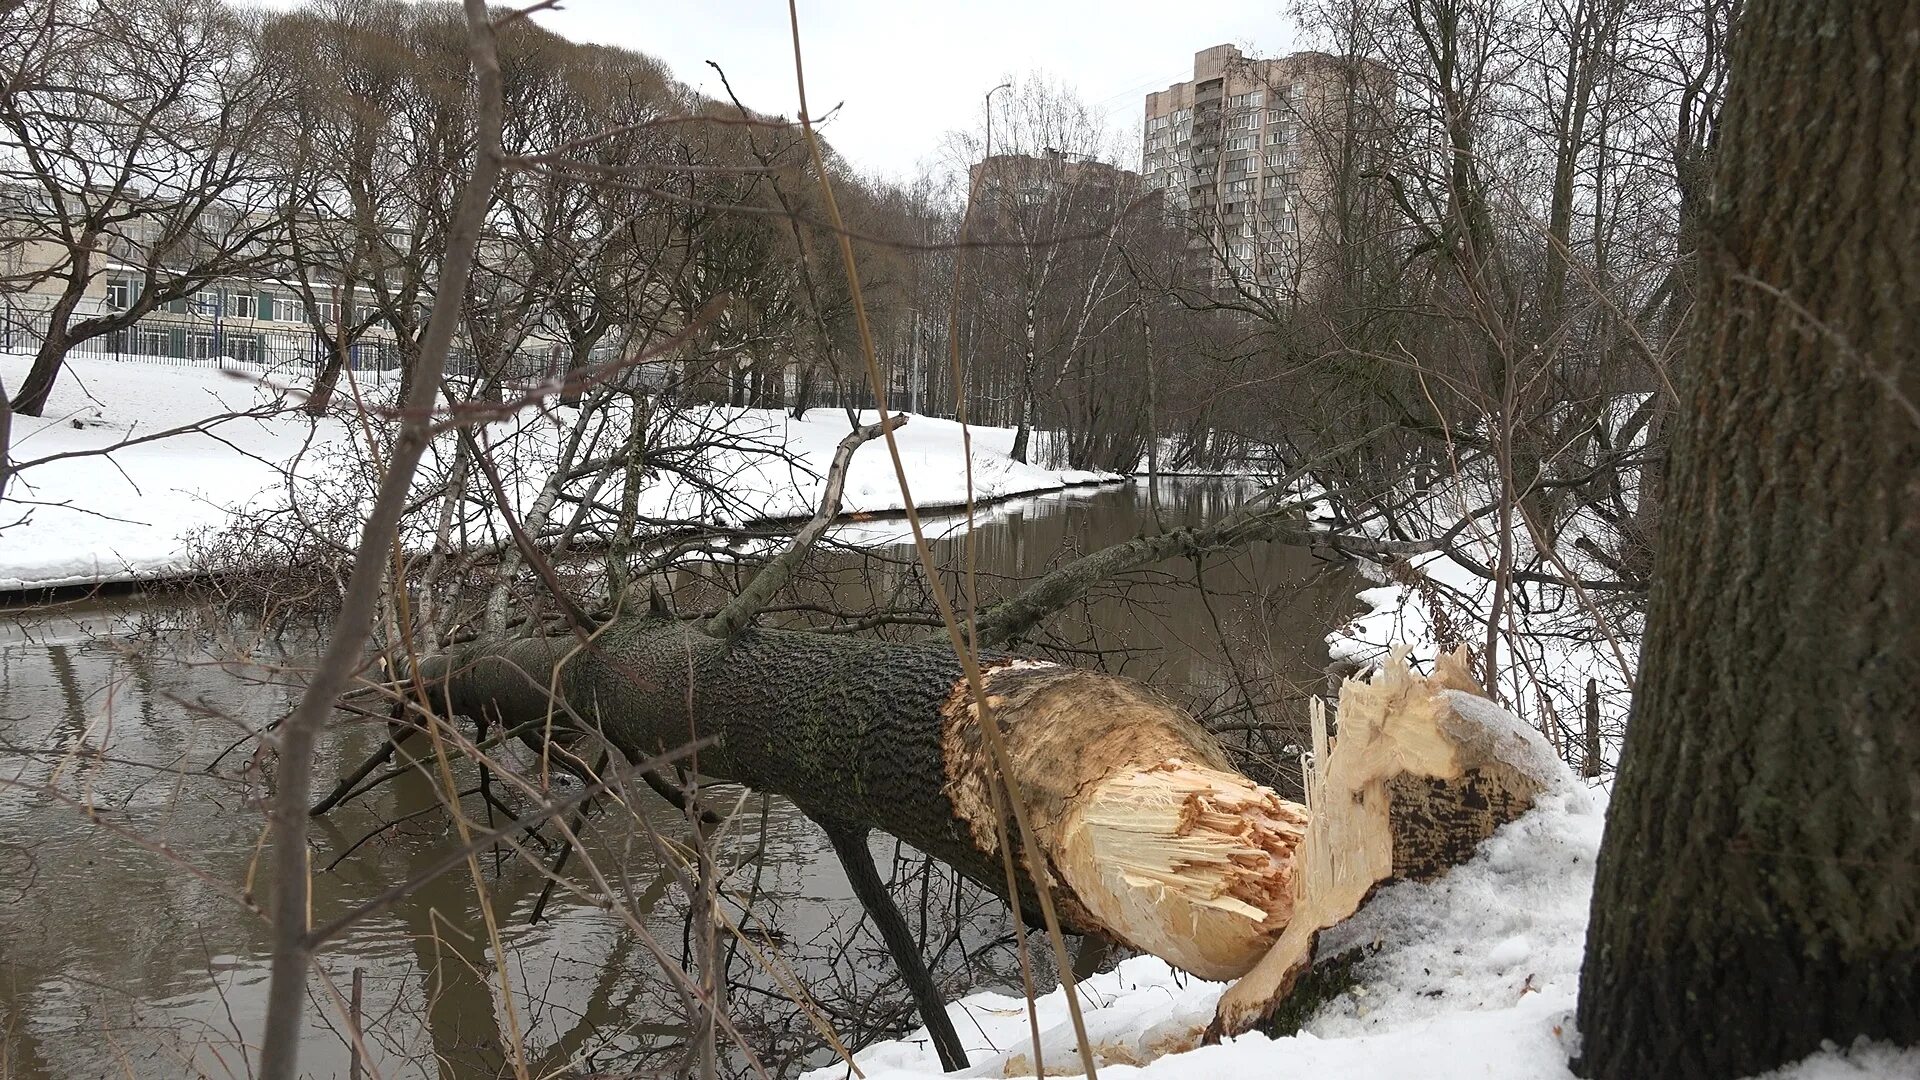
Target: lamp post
column 960, row 254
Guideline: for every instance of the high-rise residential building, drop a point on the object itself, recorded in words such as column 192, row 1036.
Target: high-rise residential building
column 1240, row 151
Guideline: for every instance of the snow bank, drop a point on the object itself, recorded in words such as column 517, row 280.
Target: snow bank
column 127, row 516
column 1474, row 977
column 1484, row 963
column 1553, row 638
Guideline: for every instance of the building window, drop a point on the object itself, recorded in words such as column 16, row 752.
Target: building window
column 155, row 343
column 324, row 310
column 241, row 305
column 286, row 309
column 119, row 293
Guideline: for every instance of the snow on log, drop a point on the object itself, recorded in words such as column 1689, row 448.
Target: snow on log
column 1424, row 768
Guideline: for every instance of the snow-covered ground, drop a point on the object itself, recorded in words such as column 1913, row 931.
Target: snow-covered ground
column 1475, row 978
column 1553, row 638
column 129, row 515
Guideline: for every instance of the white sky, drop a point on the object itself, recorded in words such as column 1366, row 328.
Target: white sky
column 905, row 72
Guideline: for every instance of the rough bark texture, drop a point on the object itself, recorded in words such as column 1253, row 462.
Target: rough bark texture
column 1757, row 890
column 885, row 735
column 848, row 729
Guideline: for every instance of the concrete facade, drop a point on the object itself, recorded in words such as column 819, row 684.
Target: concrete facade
column 1241, row 151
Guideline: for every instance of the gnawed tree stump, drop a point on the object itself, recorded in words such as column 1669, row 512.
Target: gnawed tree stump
column 1423, row 770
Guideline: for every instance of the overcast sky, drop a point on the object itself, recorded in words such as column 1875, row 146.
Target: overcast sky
column 905, row 72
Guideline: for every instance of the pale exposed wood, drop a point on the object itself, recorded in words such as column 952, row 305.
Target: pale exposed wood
column 1192, row 864
column 1149, row 836
column 1423, row 770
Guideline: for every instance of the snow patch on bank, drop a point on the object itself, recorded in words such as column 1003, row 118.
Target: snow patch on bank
column 129, row 515
column 1472, row 977
column 1484, row 963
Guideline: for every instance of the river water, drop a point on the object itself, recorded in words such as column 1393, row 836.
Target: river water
column 131, row 818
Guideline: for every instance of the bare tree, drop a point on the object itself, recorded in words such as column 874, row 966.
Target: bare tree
column 135, row 143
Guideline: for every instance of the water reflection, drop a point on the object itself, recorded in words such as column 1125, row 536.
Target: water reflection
column 129, row 829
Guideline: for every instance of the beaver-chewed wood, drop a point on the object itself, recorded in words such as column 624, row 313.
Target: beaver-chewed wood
column 1425, row 768
column 1147, row 835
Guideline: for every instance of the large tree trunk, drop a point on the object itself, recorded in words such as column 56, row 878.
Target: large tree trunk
column 1757, row 891
column 885, row 735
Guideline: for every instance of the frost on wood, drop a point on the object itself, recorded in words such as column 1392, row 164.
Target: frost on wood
column 1424, row 769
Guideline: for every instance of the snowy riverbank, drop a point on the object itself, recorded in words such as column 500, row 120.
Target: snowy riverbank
column 1475, row 978
column 76, row 516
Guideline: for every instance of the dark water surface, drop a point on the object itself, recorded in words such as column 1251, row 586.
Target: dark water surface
column 129, row 831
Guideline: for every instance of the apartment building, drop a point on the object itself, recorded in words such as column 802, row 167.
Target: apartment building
column 256, row 319
column 1244, row 154
column 1008, row 180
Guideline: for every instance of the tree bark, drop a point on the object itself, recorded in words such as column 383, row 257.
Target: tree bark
column 52, row 354
column 872, row 734
column 326, row 379
column 1756, row 891
column 47, row 361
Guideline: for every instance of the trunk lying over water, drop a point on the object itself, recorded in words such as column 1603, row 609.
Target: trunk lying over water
column 1148, row 835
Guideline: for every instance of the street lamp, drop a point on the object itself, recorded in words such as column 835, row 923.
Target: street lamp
column 966, row 219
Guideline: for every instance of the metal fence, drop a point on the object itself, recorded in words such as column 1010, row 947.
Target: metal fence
column 211, row 344
column 168, row 340
column 196, row 343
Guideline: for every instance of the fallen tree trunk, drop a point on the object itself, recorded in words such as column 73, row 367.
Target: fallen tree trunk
column 1149, row 836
